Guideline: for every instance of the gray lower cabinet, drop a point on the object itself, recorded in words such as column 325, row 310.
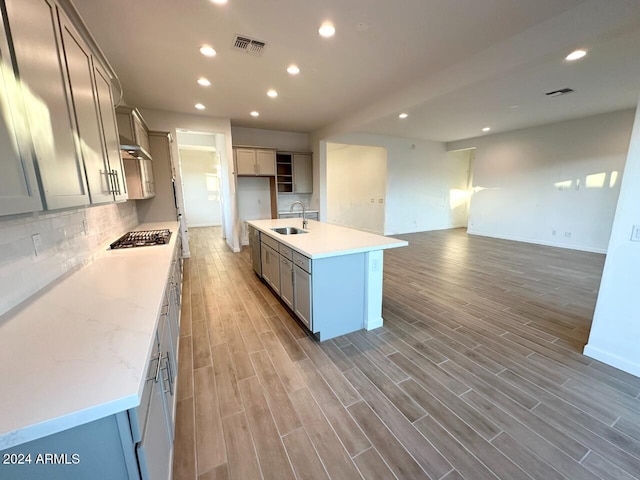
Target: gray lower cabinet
column 136, row 444
column 271, row 266
column 286, row 281
column 254, row 243
column 302, row 289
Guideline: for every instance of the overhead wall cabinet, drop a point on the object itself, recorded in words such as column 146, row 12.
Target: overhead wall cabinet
column 254, row 161
column 294, row 172
column 59, row 119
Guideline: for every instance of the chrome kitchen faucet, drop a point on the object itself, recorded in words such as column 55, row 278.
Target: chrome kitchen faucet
column 304, row 212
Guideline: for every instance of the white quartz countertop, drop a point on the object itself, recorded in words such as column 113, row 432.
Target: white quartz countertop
column 79, row 350
column 298, row 211
column 326, row 240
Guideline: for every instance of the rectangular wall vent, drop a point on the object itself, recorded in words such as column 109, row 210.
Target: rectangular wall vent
column 245, row 44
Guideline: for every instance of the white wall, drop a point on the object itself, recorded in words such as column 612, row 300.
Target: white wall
column 615, row 332
column 460, row 193
column 202, row 187
column 356, row 186
column 256, row 137
column 419, row 181
column 254, row 202
column 172, row 122
column 555, row 184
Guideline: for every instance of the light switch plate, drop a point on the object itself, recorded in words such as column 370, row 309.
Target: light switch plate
column 635, row 233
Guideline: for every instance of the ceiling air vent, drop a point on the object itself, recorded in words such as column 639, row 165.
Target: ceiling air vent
column 242, row 43
column 557, row 93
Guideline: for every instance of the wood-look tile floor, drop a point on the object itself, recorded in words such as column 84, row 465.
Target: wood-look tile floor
column 477, row 372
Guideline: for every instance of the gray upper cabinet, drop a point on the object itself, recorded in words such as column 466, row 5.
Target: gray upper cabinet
column 84, row 96
column 58, row 136
column 114, row 161
column 46, row 93
column 302, row 173
column 255, row 161
column 19, row 191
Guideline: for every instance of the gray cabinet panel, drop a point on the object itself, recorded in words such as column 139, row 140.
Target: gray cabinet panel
column 47, row 101
column 80, row 70
column 19, row 192
column 302, row 173
column 286, row 281
column 110, row 133
column 302, row 295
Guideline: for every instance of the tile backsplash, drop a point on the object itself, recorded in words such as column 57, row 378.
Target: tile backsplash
column 63, row 239
column 285, row 201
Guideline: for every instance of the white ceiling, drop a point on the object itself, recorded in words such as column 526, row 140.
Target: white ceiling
column 453, row 65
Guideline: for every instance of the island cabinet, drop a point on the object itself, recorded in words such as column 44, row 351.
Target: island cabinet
column 270, row 262
column 254, row 161
column 63, row 106
column 330, row 277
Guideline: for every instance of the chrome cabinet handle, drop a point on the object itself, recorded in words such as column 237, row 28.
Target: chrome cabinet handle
column 169, row 380
column 154, row 377
column 116, row 181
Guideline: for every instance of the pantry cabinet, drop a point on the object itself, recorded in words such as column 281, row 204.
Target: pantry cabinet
column 58, row 114
column 19, row 191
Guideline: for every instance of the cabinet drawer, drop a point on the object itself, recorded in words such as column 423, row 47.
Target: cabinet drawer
column 286, row 252
column 302, row 261
column 272, row 242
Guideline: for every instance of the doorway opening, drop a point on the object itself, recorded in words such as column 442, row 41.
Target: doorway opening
column 201, row 178
column 461, row 191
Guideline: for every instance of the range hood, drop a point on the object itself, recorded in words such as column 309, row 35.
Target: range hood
column 135, row 152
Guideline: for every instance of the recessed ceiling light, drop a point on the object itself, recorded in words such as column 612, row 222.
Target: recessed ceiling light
column 514, row 106
column 199, row 106
column 204, row 82
column 207, row 51
column 486, row 129
column 327, row 29
column 219, row 2
column 403, row 115
column 272, row 93
column 293, row 69
column 255, row 114
column 576, row 55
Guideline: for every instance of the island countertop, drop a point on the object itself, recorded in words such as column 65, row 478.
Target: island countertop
column 79, row 350
column 324, row 239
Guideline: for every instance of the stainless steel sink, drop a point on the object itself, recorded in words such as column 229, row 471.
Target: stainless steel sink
column 288, row 230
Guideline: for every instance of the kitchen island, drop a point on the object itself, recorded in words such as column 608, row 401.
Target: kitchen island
column 86, row 374
column 329, row 276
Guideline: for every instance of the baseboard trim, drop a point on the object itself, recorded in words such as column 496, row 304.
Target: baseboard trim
column 371, row 324
column 613, row 360
column 581, row 248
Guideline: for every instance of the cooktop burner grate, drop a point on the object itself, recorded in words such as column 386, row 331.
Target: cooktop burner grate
column 142, row 238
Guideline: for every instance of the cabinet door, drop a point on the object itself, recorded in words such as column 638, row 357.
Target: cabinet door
column 302, row 173
column 47, row 101
column 245, row 161
column 140, row 132
column 110, row 133
column 154, row 451
column 266, row 162
column 148, row 186
column 85, row 102
column 274, row 264
column 19, row 191
column 302, row 295
column 286, row 281
column 266, row 268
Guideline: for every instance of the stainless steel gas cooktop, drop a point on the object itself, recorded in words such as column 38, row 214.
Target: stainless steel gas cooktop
column 142, row 238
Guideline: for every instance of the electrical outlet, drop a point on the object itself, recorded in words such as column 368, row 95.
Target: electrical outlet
column 635, row 233
column 37, row 243
column 567, row 234
column 373, row 200
column 381, row 200
column 553, row 232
